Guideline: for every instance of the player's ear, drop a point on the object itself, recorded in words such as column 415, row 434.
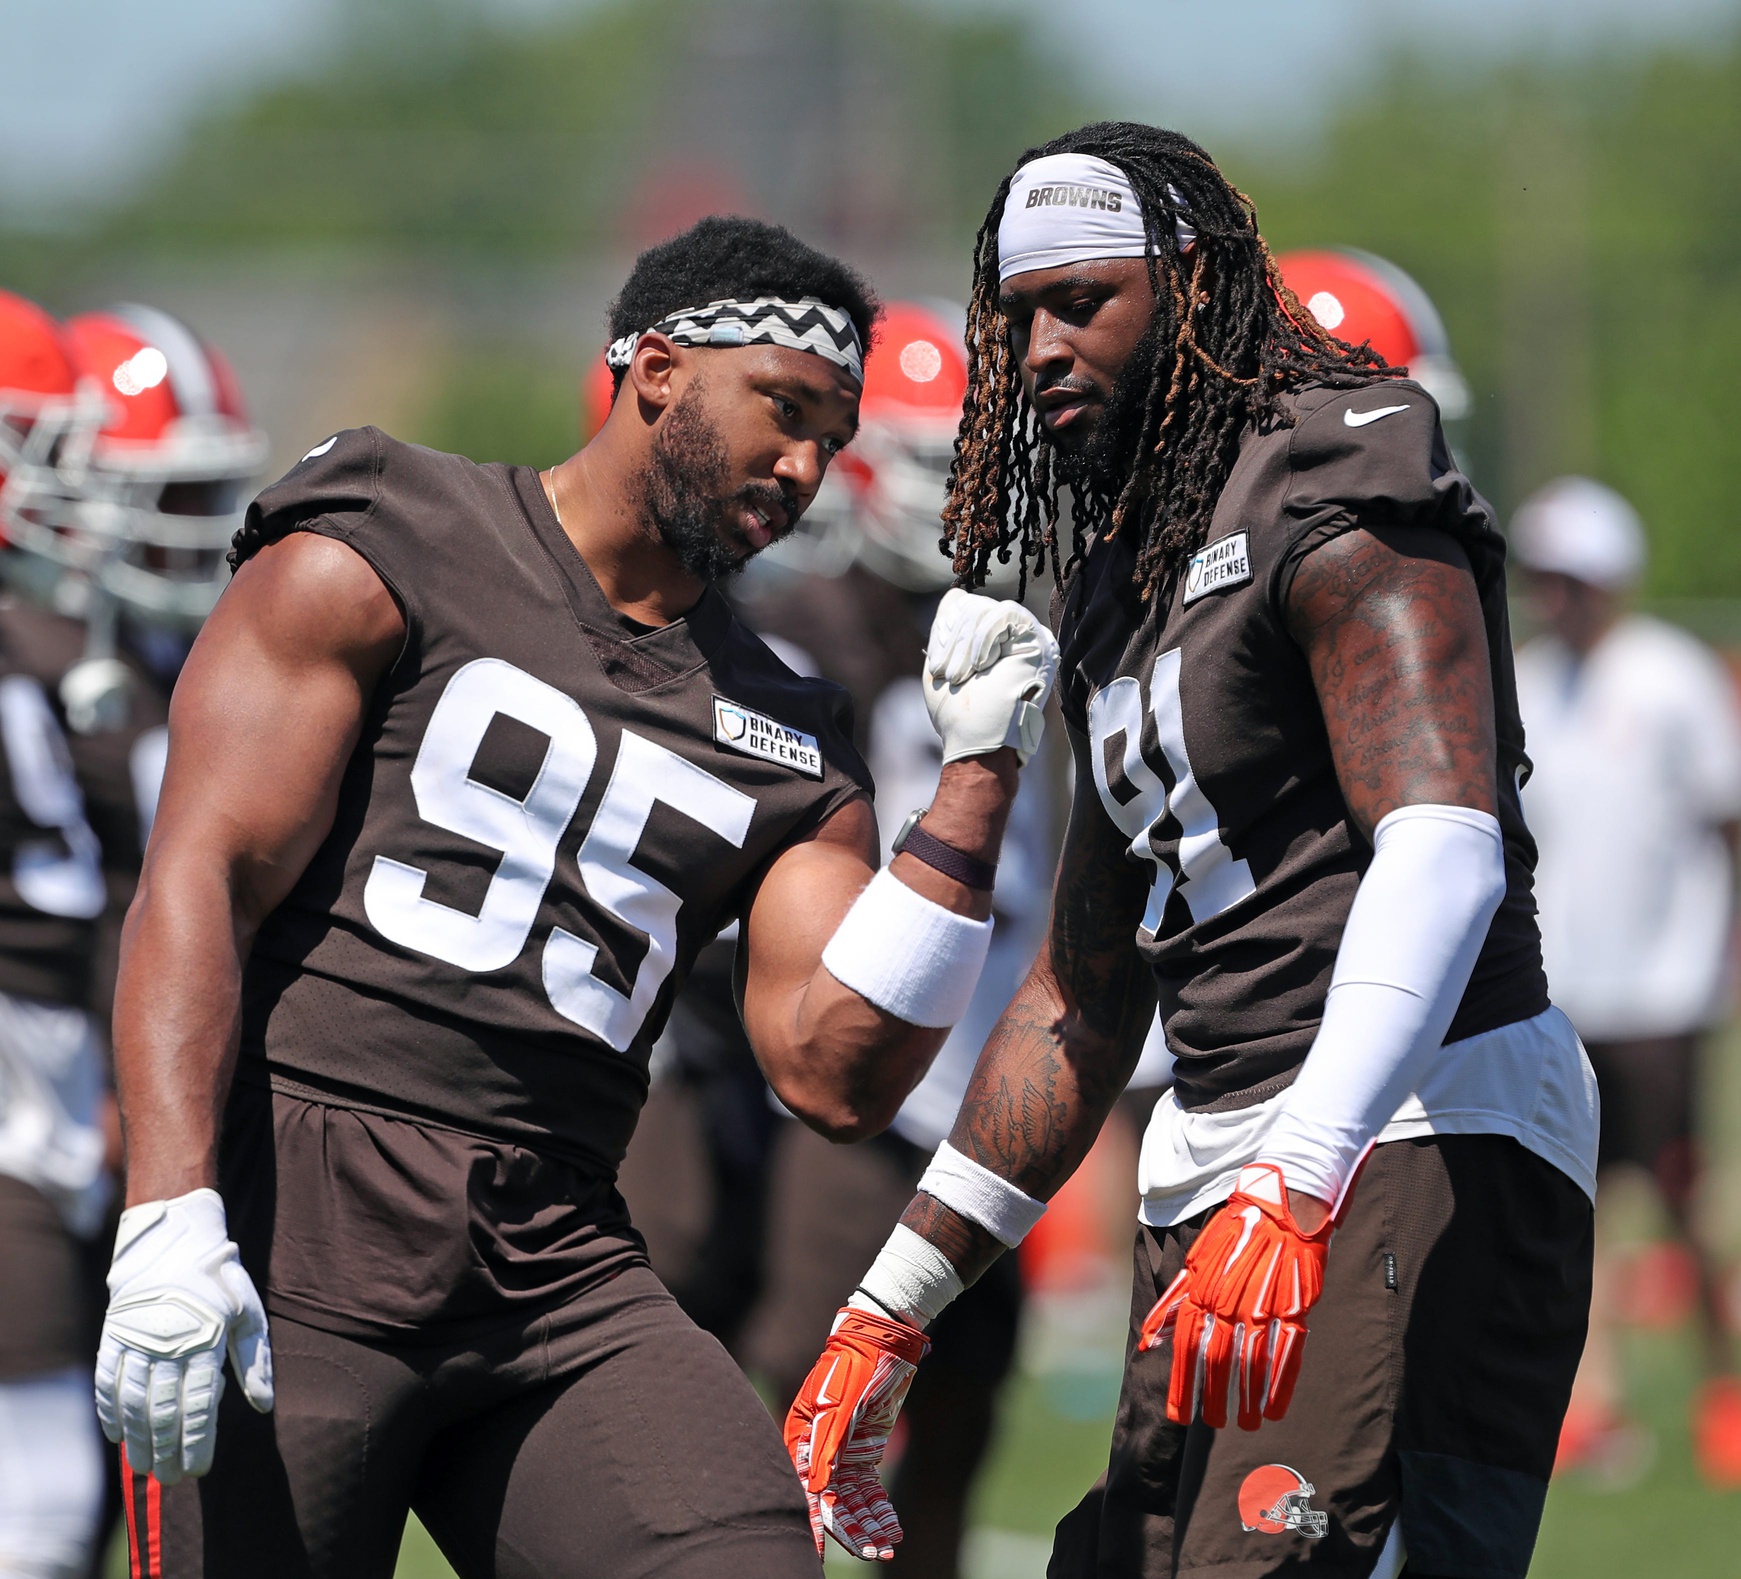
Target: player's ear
column 650, row 374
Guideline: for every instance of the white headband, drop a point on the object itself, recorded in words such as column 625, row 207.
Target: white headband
column 803, row 325
column 1065, row 208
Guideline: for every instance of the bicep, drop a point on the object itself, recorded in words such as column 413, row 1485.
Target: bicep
column 267, row 711
column 1392, row 630
column 802, row 899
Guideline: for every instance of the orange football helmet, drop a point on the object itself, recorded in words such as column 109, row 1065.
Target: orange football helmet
column 49, row 418
column 1365, row 300
column 170, row 470
column 882, row 501
column 913, row 389
column 1275, row 1498
column 598, row 393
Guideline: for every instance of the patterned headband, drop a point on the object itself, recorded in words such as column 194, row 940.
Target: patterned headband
column 804, row 325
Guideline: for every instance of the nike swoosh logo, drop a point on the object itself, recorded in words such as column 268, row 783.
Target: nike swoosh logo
column 823, row 1401
column 1359, row 419
column 1252, row 1217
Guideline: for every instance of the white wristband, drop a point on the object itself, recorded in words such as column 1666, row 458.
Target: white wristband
column 907, row 954
column 911, row 1280
column 981, row 1196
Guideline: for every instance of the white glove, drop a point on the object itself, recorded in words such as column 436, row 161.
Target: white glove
column 989, row 667
column 177, row 1297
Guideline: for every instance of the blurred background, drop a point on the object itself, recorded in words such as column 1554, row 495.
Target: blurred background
column 413, row 212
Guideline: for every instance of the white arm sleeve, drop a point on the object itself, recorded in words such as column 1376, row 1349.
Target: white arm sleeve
column 1417, row 924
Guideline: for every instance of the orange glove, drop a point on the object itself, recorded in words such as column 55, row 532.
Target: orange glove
column 1240, row 1306
column 840, row 1423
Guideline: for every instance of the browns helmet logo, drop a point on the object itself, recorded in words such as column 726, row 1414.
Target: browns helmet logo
column 1274, row 1498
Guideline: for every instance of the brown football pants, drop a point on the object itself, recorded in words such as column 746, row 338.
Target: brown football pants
column 611, row 1439
column 1438, row 1364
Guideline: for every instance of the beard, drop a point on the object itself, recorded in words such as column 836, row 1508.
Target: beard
column 1102, row 461
column 689, row 495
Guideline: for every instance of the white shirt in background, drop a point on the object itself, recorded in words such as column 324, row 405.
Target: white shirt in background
column 1637, row 753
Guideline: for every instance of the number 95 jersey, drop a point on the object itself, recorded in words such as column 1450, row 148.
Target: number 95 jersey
column 1209, row 753
column 550, row 810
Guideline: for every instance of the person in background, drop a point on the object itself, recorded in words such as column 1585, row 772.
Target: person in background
column 123, row 445
column 1634, row 802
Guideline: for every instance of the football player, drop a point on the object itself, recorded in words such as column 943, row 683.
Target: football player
column 1287, row 675
column 89, row 632
column 465, row 767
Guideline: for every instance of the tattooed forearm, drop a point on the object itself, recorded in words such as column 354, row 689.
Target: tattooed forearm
column 1391, row 627
column 969, row 1247
column 1065, row 1046
column 1016, row 1115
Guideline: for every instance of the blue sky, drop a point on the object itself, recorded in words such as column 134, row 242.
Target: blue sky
column 93, row 91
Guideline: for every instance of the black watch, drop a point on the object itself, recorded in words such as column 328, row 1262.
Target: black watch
column 966, row 869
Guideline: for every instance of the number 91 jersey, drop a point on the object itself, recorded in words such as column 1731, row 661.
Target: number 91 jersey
column 1208, row 749
column 550, row 810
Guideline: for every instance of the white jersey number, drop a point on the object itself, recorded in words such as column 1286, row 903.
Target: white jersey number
column 528, row 833
column 62, row 875
column 1209, row 878
column 645, row 773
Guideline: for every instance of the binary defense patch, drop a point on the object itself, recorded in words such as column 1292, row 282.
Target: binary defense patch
column 1224, row 563
column 740, row 728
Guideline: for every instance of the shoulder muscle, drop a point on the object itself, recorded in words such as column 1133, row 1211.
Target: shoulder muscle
column 1392, row 629
column 308, row 599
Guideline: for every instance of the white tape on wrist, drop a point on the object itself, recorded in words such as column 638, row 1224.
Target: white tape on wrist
column 981, row 1196
column 911, row 1280
column 907, row 954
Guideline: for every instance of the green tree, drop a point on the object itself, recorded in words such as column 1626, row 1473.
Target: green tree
column 1580, row 230
column 427, row 132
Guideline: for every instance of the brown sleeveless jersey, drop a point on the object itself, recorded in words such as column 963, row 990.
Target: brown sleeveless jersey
column 74, row 809
column 1209, row 751
column 550, row 811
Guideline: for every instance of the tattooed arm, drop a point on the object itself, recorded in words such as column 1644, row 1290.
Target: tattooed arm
column 1392, row 629
column 1069, row 1040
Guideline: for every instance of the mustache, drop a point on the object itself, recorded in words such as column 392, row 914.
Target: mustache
column 1067, row 383
column 775, row 496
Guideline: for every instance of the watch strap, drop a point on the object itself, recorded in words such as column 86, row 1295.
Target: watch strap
column 966, row 869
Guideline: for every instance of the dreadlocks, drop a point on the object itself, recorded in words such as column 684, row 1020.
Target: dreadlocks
column 1227, row 341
